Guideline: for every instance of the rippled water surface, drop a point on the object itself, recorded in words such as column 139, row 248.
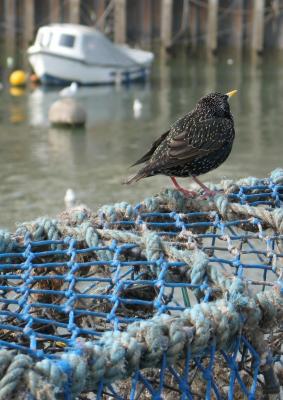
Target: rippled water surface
column 38, row 163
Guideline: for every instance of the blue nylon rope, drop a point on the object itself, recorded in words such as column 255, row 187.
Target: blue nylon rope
column 56, row 288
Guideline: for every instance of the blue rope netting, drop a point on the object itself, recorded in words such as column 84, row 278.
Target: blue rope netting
column 173, row 297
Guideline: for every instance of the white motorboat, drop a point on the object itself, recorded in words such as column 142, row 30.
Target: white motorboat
column 66, row 53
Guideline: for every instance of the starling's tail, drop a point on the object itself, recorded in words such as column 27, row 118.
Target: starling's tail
column 135, row 178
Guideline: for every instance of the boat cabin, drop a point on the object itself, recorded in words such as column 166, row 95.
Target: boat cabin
column 66, row 53
column 82, row 43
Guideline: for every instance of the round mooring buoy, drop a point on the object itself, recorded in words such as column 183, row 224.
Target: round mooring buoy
column 67, row 112
column 18, row 78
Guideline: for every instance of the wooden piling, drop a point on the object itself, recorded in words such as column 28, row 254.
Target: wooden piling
column 258, row 26
column 152, row 19
column 146, row 20
column 193, row 26
column 74, row 11
column 28, row 31
column 155, row 19
column 54, row 11
column 10, row 24
column 185, row 20
column 99, row 9
column 212, row 25
column 236, row 39
column 166, row 23
column 120, row 21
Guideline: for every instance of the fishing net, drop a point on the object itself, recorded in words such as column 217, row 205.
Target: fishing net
column 171, row 298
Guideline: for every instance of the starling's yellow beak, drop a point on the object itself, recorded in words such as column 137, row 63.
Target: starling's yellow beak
column 232, row 93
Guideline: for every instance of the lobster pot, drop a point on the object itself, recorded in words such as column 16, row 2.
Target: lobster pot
column 169, row 298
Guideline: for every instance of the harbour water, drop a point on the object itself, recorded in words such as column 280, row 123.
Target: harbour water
column 38, row 163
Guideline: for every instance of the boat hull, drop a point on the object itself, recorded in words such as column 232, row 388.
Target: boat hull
column 53, row 69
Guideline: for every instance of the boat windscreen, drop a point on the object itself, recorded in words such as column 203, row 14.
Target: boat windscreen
column 97, row 49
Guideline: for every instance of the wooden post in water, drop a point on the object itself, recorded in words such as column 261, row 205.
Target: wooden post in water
column 54, row 7
column 99, row 9
column 166, row 23
column 146, row 16
column 10, row 25
column 237, row 31
column 258, row 26
column 212, row 23
column 28, row 31
column 74, row 11
column 193, row 26
column 120, row 21
column 185, row 21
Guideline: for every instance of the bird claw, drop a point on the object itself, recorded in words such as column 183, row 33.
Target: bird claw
column 207, row 194
column 188, row 193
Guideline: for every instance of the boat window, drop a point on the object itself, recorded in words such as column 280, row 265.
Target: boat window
column 89, row 43
column 45, row 39
column 67, row 40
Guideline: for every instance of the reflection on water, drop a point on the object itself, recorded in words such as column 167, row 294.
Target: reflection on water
column 100, row 103
column 38, row 163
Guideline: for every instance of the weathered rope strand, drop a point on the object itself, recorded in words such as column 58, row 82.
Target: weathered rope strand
column 141, row 346
column 119, row 354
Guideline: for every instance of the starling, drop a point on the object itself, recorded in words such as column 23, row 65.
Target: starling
column 195, row 144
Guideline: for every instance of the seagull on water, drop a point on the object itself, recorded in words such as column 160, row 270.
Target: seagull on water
column 137, row 108
column 69, row 91
column 70, row 198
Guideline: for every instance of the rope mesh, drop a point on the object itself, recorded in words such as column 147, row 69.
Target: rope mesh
column 173, row 297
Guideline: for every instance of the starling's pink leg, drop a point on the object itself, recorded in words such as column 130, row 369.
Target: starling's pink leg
column 187, row 193
column 207, row 191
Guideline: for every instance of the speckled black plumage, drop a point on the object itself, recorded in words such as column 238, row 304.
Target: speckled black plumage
column 195, row 144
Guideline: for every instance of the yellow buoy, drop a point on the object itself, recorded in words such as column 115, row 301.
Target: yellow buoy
column 18, row 78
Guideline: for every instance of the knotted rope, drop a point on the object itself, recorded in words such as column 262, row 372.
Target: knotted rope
column 117, row 355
